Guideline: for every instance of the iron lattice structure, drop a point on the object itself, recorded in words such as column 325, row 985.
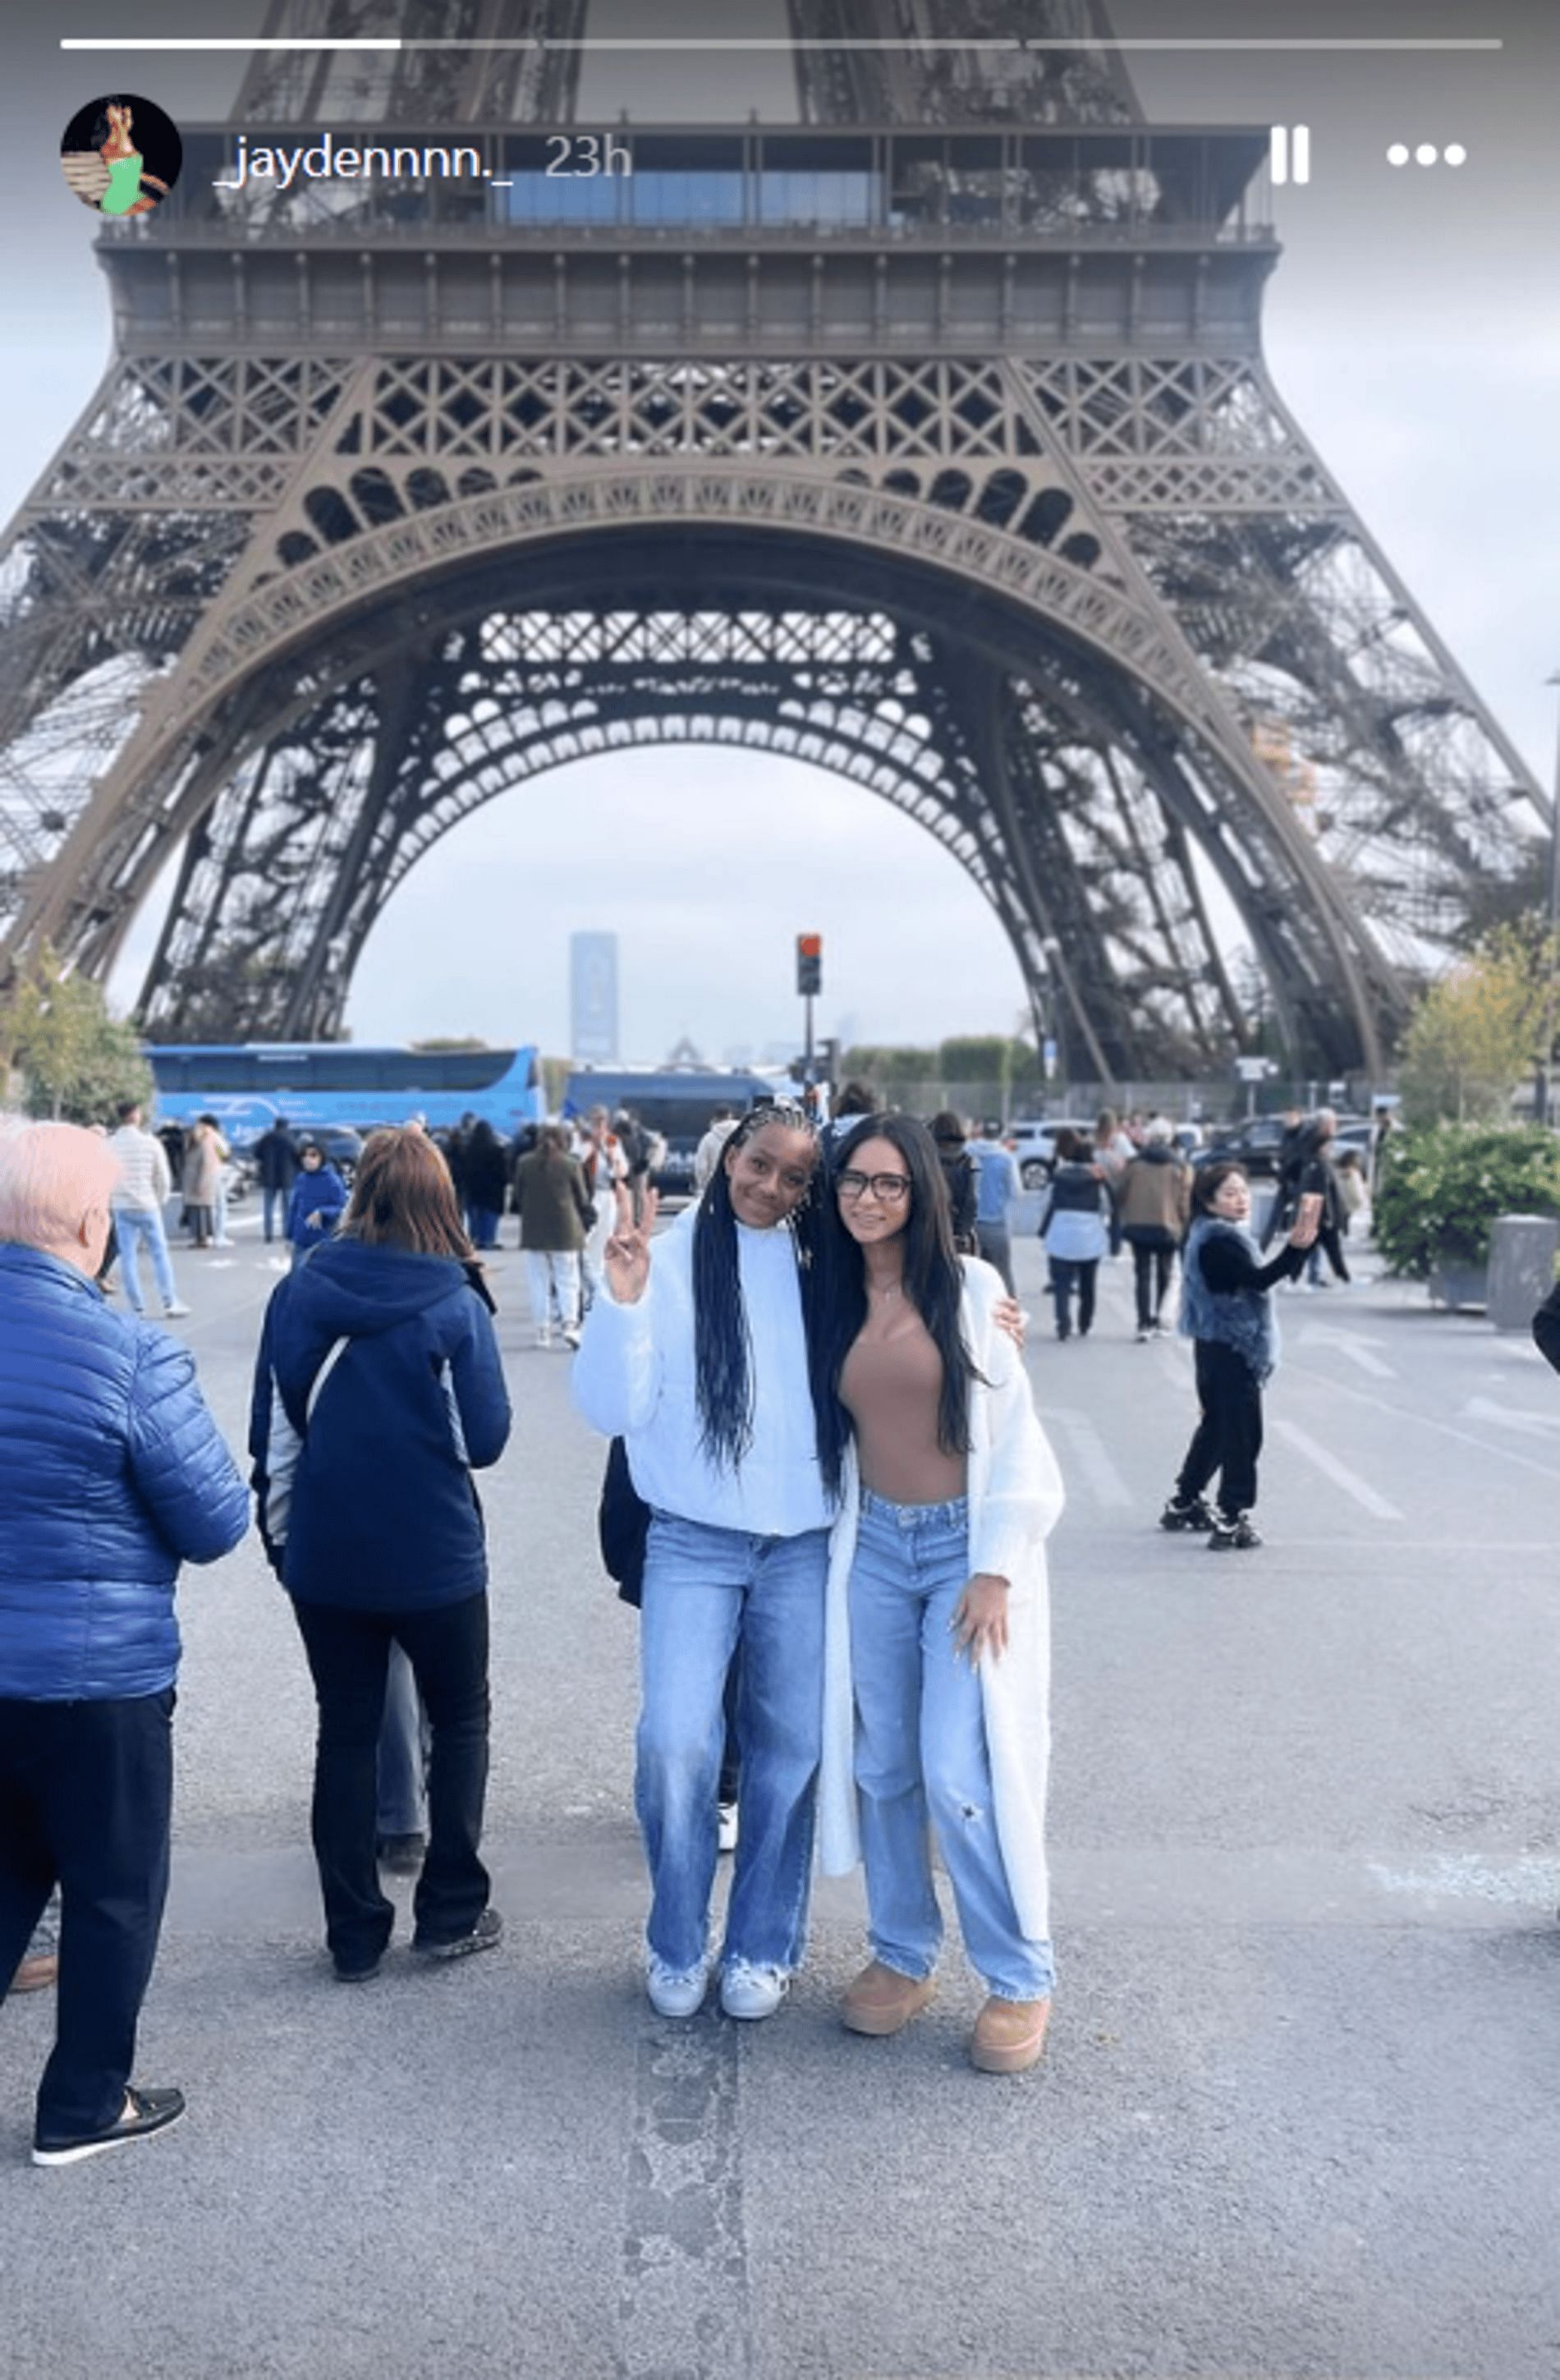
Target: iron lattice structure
column 937, row 448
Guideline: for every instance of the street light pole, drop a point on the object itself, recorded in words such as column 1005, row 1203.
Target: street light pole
column 1546, row 1065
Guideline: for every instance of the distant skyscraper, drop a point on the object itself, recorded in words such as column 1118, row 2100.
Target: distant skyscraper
column 593, row 996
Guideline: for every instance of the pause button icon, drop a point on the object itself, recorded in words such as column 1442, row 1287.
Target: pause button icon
column 1289, row 154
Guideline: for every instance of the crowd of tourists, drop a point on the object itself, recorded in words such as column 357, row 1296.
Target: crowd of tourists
column 827, row 1470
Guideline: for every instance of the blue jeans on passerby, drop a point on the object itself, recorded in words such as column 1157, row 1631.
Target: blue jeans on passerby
column 921, row 1754
column 403, row 1752
column 706, row 1592
column 276, row 1203
column 132, row 1225
column 482, row 1223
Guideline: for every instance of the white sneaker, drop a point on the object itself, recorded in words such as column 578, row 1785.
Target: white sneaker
column 676, row 1991
column 178, row 1307
column 726, row 1826
column 544, row 1337
column 747, row 1991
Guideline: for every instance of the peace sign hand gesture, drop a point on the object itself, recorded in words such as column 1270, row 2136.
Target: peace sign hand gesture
column 627, row 1253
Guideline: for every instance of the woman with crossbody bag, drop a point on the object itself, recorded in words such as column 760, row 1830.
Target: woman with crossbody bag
column 379, row 1389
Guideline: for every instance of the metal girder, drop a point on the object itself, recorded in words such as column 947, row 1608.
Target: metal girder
column 957, row 62
column 236, row 608
column 470, row 81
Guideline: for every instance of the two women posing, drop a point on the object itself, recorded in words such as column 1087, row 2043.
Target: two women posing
column 850, row 1493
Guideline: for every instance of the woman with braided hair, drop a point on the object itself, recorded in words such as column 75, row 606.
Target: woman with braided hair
column 699, row 1359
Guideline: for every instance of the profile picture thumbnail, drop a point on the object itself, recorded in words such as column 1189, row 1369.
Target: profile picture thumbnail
column 121, row 154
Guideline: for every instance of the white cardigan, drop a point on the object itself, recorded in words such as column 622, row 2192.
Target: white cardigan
column 1016, row 1497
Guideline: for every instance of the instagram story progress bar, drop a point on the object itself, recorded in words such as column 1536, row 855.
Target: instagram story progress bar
column 1011, row 44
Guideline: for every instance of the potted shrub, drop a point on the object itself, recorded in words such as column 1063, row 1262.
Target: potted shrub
column 1444, row 1186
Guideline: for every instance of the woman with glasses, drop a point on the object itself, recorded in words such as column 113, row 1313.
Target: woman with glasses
column 698, row 1357
column 937, row 1621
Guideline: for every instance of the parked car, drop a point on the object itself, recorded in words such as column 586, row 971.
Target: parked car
column 1033, row 1144
column 1254, row 1143
column 341, row 1144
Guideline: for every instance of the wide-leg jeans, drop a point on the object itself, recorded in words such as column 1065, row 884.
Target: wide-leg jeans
column 86, row 1791
column 708, row 1591
column 921, row 1756
column 349, row 1656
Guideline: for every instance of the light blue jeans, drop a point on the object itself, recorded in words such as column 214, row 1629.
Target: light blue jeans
column 707, row 1591
column 131, row 1226
column 921, row 1754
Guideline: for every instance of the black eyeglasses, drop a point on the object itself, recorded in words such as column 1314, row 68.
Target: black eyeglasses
column 887, row 1188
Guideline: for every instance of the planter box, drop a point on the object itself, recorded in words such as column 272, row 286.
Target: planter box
column 1455, row 1284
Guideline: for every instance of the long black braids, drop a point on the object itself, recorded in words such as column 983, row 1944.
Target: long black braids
column 723, row 1338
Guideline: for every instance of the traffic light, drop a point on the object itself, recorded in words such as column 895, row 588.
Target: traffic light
column 809, row 963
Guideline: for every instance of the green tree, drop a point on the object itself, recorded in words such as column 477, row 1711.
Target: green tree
column 989, row 1058
column 1477, row 1032
column 77, row 1062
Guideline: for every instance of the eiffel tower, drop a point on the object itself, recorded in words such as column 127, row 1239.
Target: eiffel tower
column 929, row 439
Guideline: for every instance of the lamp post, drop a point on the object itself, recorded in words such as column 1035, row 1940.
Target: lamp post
column 1546, row 1060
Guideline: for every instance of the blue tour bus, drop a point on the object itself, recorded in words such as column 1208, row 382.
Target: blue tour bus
column 676, row 1101
column 246, row 1085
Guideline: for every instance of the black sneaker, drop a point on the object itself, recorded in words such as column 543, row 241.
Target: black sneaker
column 152, row 2111
column 363, row 1972
column 1232, row 1532
column 486, row 1935
column 1188, row 1513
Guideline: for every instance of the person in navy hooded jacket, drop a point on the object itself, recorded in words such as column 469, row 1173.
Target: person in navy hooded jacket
column 316, row 1202
column 378, row 1390
column 111, row 1474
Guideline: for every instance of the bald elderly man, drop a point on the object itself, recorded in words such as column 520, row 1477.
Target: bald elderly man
column 111, row 1474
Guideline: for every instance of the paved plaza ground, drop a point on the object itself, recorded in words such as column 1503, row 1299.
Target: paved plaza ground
column 1300, row 2116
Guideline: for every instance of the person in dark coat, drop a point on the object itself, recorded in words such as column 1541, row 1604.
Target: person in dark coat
column 316, row 1203
column 111, row 1474
column 959, row 1173
column 1288, row 1165
column 1227, row 1310
column 1319, row 1174
column 556, row 1211
column 378, row 1390
column 1075, row 1226
column 1153, row 1207
column 275, row 1154
column 487, row 1181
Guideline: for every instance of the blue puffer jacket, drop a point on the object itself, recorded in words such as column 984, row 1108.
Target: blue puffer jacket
column 365, row 1488
column 112, row 1473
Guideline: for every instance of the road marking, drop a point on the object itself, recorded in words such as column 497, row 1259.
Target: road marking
column 683, row 2302
column 1089, row 1454
column 1338, row 1472
column 1347, row 1343
column 1422, row 1421
column 1536, row 1424
column 1468, row 1875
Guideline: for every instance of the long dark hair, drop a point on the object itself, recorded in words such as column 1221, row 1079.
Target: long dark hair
column 933, row 1283
column 723, row 1340
column 1209, row 1180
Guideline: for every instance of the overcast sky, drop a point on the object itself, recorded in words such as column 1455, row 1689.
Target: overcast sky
column 1412, row 324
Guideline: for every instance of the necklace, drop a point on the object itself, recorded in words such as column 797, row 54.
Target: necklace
column 886, row 1289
